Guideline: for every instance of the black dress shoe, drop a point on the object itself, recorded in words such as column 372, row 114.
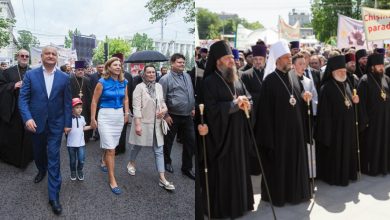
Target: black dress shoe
column 169, row 168
column 39, row 177
column 56, row 206
column 189, row 173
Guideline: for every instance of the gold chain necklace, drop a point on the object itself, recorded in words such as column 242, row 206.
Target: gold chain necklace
column 347, row 102
column 231, row 92
column 383, row 93
column 80, row 87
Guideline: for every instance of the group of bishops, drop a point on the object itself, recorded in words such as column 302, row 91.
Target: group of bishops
column 303, row 123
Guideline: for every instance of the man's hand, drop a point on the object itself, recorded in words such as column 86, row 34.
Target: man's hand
column 18, row 85
column 169, row 120
column 67, row 130
column 243, row 103
column 203, row 129
column 355, row 99
column 307, row 96
column 30, row 125
column 193, row 113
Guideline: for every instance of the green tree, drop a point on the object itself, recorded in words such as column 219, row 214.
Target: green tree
column 142, row 42
column 381, row 4
column 68, row 39
column 115, row 45
column 5, row 36
column 208, row 23
column 161, row 9
column 325, row 15
column 26, row 40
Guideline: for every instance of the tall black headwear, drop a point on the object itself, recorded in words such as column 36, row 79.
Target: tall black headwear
column 374, row 59
column 334, row 63
column 217, row 50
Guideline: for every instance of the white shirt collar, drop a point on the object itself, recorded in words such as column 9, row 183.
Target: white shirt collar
column 48, row 73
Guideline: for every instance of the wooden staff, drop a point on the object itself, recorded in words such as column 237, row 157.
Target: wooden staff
column 357, row 136
column 259, row 159
column 201, row 109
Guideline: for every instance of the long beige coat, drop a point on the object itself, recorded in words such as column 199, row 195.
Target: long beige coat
column 144, row 107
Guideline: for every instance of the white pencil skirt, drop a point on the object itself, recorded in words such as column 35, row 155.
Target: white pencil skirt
column 110, row 125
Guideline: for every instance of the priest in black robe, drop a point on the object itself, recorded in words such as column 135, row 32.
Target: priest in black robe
column 81, row 88
column 350, row 65
column 361, row 62
column 225, row 97
column 253, row 79
column 374, row 117
column 15, row 141
column 279, row 131
column 336, row 129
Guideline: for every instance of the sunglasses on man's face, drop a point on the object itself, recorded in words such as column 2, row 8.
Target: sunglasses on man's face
column 24, row 56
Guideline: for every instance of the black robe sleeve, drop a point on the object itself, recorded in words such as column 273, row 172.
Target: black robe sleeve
column 363, row 101
column 7, row 97
column 323, row 131
column 217, row 115
column 264, row 128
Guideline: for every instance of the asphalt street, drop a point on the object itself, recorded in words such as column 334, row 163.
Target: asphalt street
column 92, row 198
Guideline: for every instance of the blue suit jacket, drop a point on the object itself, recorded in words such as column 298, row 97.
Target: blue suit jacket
column 55, row 111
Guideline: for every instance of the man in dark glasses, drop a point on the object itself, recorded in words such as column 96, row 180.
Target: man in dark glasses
column 15, row 142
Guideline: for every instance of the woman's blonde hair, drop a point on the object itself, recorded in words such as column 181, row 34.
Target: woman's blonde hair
column 107, row 73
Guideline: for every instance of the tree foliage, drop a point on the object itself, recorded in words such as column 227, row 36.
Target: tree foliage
column 210, row 24
column 68, row 39
column 5, row 36
column 26, row 40
column 325, row 14
column 115, row 45
column 161, row 9
column 142, row 42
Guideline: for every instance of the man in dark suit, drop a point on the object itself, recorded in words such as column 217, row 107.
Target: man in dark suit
column 45, row 106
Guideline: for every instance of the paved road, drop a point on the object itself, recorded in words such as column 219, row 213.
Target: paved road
column 368, row 198
column 142, row 198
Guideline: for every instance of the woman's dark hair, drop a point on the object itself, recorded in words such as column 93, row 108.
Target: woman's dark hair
column 149, row 65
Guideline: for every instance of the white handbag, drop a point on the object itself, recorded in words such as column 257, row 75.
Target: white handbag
column 164, row 127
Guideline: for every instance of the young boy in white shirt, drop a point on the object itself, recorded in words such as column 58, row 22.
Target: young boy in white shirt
column 76, row 142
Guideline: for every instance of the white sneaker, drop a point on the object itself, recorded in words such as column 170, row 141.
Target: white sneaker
column 131, row 169
column 166, row 185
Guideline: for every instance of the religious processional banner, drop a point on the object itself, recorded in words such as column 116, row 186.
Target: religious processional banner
column 350, row 33
column 289, row 32
column 376, row 23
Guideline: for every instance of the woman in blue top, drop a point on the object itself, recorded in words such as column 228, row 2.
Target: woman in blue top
column 111, row 91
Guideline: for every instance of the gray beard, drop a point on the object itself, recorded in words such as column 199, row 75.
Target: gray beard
column 229, row 74
column 340, row 79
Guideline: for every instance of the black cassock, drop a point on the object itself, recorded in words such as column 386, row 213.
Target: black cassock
column 280, row 133
column 15, row 141
column 253, row 79
column 231, row 193
column 374, row 124
column 336, row 134
column 83, row 84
